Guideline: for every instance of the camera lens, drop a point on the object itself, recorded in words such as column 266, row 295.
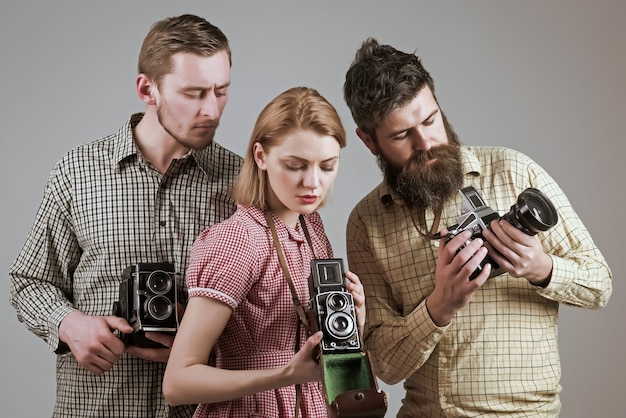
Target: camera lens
column 533, row 212
column 159, row 282
column 159, row 307
column 340, row 325
column 337, row 301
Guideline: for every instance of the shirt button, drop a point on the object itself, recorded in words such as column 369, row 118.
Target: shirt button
column 162, row 223
column 443, row 360
column 436, row 244
column 443, row 399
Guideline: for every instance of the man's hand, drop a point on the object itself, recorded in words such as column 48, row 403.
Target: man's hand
column 154, row 354
column 519, row 254
column 157, row 354
column 92, row 341
column 453, row 288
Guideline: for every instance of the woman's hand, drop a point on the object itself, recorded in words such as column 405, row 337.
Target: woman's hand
column 358, row 294
column 303, row 366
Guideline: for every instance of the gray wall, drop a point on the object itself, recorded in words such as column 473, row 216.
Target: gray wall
column 544, row 77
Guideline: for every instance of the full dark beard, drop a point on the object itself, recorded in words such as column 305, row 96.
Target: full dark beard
column 425, row 185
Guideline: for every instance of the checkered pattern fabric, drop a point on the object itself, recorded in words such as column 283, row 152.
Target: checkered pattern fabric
column 104, row 208
column 498, row 357
column 236, row 263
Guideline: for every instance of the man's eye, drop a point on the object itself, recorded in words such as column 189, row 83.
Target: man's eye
column 196, row 95
column 400, row 136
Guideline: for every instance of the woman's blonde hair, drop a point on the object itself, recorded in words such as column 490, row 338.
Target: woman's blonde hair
column 300, row 108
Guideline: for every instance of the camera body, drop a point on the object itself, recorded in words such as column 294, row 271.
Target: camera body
column 333, row 306
column 531, row 213
column 350, row 387
column 148, row 301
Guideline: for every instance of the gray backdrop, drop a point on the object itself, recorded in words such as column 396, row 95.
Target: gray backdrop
column 544, row 77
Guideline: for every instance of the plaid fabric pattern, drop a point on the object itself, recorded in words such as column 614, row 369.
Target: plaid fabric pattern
column 104, row 208
column 236, row 263
column 498, row 356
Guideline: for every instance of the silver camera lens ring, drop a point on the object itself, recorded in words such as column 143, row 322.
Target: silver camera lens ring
column 159, row 282
column 159, row 307
column 339, row 325
column 337, row 301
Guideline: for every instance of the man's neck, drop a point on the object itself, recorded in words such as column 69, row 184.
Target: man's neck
column 156, row 144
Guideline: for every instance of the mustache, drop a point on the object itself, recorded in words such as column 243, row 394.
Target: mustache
column 419, row 160
column 209, row 123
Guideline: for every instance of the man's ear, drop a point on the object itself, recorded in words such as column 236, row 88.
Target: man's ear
column 259, row 155
column 368, row 141
column 145, row 89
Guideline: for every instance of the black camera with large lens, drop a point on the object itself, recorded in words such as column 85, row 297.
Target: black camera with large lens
column 148, row 301
column 350, row 387
column 533, row 212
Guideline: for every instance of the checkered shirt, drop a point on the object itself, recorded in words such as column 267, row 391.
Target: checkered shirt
column 104, row 208
column 498, row 356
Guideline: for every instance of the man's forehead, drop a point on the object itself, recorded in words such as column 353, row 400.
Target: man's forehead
column 214, row 69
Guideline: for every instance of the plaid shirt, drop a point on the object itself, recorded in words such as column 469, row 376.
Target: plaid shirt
column 498, row 356
column 236, row 263
column 104, row 208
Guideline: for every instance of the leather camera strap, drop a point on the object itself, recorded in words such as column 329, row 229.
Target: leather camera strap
column 304, row 320
column 434, row 229
column 362, row 403
column 281, row 257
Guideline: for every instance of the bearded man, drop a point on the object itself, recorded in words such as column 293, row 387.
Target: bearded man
column 464, row 340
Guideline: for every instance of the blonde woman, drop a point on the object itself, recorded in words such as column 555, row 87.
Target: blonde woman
column 240, row 305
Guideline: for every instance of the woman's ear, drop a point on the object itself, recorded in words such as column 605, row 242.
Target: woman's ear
column 259, row 155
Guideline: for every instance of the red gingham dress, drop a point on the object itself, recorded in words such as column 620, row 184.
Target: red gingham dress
column 236, row 263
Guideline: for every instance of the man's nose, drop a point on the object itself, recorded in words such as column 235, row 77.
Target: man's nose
column 420, row 141
column 210, row 107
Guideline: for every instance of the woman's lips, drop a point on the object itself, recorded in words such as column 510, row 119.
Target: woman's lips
column 308, row 199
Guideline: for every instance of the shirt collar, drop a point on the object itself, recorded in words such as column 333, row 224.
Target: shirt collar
column 125, row 147
column 470, row 163
column 207, row 159
column 283, row 230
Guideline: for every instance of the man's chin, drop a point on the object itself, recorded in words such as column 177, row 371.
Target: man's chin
column 199, row 144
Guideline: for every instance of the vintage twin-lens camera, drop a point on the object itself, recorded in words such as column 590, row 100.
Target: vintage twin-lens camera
column 350, row 387
column 147, row 300
column 533, row 212
column 334, row 307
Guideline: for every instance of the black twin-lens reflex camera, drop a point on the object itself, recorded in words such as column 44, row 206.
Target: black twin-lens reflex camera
column 350, row 387
column 334, row 307
column 148, row 301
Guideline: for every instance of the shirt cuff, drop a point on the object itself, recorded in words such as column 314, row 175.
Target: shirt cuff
column 57, row 316
column 427, row 334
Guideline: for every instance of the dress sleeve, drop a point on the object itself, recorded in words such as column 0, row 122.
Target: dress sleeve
column 399, row 344
column 223, row 263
